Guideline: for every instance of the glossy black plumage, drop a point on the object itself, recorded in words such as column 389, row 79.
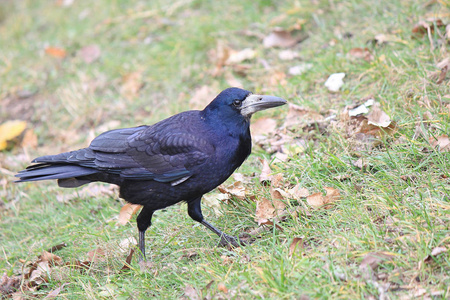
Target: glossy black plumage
column 177, row 159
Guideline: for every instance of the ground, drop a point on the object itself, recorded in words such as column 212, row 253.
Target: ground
column 351, row 205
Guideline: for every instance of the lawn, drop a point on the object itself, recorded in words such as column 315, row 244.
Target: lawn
column 354, row 201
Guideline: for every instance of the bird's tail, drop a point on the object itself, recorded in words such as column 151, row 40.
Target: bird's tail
column 65, row 167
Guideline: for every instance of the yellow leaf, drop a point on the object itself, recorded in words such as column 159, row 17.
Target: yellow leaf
column 127, row 211
column 10, row 130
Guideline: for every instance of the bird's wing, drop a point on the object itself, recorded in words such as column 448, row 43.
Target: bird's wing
column 162, row 152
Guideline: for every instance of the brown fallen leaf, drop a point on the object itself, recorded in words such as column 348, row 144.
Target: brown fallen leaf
column 317, row 200
column 361, row 53
column 55, row 52
column 277, row 181
column 237, row 189
column 296, row 245
column 201, row 96
column 214, row 201
column 127, row 212
column 127, row 264
column 54, row 293
column 444, row 67
column 378, row 117
column 191, row 293
column 219, row 56
column 298, row 192
column 298, row 116
column 428, row 26
column 221, row 287
column 268, row 209
column 266, row 173
column 435, row 252
column 9, row 285
column 280, row 37
column 90, row 53
column 57, row 247
column 50, row 258
column 131, row 85
column 441, row 143
column 263, row 126
column 97, row 255
column 29, row 139
column 374, row 259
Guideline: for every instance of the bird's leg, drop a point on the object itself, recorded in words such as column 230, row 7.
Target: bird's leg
column 144, row 220
column 195, row 212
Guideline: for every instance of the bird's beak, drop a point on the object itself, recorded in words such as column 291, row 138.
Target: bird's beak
column 254, row 103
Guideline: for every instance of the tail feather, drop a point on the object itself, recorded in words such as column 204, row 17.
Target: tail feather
column 56, row 171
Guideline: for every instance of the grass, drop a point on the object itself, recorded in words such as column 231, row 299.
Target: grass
column 170, row 46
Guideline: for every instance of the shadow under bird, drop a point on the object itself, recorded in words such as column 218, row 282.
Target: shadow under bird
column 177, row 159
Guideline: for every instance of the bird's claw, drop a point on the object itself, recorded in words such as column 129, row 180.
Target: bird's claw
column 228, row 240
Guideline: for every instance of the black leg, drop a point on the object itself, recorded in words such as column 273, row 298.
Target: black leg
column 195, row 212
column 144, row 220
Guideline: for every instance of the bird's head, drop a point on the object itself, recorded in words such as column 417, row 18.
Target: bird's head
column 238, row 103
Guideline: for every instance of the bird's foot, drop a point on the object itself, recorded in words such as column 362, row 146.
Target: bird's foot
column 228, row 240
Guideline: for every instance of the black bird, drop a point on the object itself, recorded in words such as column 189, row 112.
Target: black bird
column 177, row 159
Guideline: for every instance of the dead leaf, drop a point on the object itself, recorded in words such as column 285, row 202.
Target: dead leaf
column 444, row 66
column 191, row 293
column 236, row 57
column 97, row 255
column 221, row 287
column 317, row 200
column 214, row 201
column 50, row 258
column 29, row 139
column 57, row 247
column 335, row 82
column 127, row 212
column 280, row 37
column 127, row 264
column 372, row 260
column 54, row 293
column 237, row 189
column 298, row 192
column 56, row 52
column 276, row 78
column 441, row 143
column 266, row 173
column 126, row 244
column 298, row 115
column 263, row 126
column 90, row 53
column 277, row 180
column 361, row 53
column 219, row 56
column 202, row 96
column 435, row 252
column 267, row 209
column 296, row 245
column 10, row 130
column 426, row 27
column 38, row 274
column 378, row 117
column 131, row 85
column 9, row 285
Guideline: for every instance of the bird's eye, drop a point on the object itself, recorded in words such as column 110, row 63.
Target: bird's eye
column 237, row 102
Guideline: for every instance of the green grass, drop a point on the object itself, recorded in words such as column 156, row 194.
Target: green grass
column 170, row 44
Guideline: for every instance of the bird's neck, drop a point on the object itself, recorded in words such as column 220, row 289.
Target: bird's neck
column 232, row 125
